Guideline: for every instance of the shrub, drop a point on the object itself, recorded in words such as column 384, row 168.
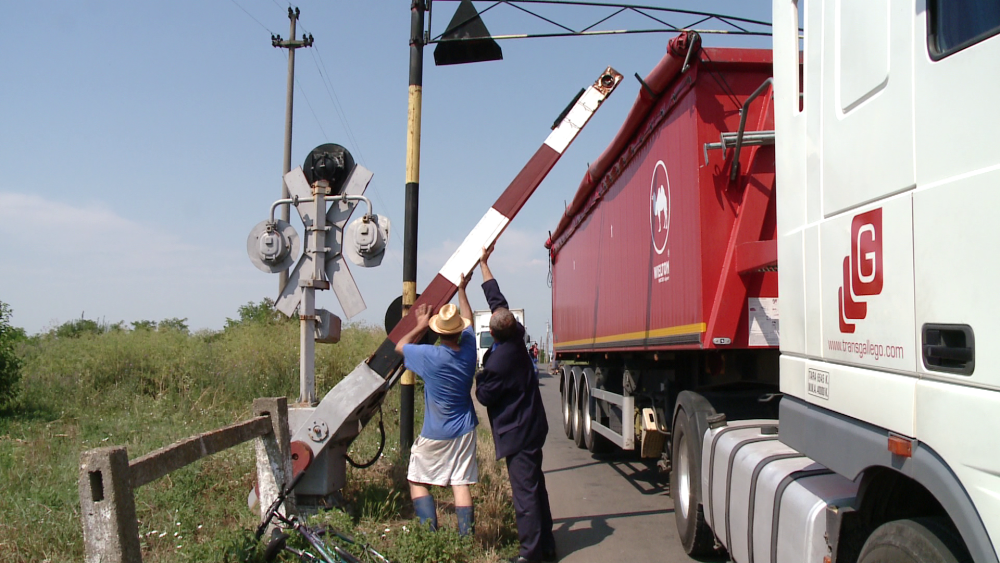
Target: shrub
column 77, row 328
column 10, row 363
column 143, row 325
column 173, row 324
column 255, row 313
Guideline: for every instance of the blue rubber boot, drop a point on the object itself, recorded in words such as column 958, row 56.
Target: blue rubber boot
column 426, row 511
column 466, row 520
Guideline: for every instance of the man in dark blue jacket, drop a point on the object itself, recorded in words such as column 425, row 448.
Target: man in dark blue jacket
column 508, row 388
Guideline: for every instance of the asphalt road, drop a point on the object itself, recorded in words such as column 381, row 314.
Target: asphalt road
column 610, row 508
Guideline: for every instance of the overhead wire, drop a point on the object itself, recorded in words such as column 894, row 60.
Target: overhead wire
column 311, row 110
column 235, row 3
column 331, row 91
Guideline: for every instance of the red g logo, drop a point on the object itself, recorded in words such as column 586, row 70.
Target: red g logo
column 862, row 269
column 866, row 253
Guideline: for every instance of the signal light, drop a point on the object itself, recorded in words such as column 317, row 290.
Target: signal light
column 900, row 446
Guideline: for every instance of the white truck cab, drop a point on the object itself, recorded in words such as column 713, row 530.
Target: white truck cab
column 888, row 180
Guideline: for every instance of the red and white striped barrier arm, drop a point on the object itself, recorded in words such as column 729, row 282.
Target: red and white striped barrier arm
column 443, row 287
column 356, row 397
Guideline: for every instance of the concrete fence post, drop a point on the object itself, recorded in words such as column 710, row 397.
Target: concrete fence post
column 274, row 460
column 107, row 507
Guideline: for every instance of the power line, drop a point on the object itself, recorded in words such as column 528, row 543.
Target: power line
column 251, row 16
column 311, row 110
column 341, row 116
column 338, row 108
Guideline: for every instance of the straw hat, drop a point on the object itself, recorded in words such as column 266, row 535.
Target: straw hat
column 448, row 321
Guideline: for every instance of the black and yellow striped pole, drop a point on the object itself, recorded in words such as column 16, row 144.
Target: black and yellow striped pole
column 406, row 383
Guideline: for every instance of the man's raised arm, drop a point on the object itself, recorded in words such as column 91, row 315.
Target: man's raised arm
column 463, row 299
column 490, row 286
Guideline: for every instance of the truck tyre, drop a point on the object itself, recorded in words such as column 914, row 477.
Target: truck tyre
column 578, row 381
column 685, row 481
column 920, row 540
column 567, row 404
column 594, row 442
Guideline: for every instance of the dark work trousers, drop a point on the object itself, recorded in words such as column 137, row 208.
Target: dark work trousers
column 531, row 503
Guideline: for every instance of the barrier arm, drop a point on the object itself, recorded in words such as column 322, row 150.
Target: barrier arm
column 358, row 395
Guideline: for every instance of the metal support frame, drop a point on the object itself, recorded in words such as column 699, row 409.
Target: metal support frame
column 625, row 440
column 729, row 25
column 730, row 139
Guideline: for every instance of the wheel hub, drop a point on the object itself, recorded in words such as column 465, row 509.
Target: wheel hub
column 683, row 498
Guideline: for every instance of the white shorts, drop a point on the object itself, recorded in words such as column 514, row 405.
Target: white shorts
column 444, row 462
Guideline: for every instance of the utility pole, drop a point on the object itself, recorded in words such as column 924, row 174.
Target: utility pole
column 407, row 382
column 291, row 45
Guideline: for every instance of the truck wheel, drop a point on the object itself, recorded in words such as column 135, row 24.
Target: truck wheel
column 695, row 535
column 567, row 407
column 578, row 382
column 920, row 540
column 594, row 442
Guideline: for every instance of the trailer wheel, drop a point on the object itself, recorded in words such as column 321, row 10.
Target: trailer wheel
column 695, row 535
column 920, row 540
column 594, row 442
column 578, row 380
column 567, row 406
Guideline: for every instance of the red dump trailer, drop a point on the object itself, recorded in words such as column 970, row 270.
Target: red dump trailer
column 664, row 267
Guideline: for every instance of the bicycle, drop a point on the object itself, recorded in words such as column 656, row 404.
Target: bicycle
column 279, row 537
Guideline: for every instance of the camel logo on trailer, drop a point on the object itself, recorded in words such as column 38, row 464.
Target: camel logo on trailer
column 862, row 269
column 659, row 207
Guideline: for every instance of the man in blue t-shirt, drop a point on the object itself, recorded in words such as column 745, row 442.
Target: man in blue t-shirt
column 445, row 452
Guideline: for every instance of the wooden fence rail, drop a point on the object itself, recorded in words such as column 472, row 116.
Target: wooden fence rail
column 108, row 479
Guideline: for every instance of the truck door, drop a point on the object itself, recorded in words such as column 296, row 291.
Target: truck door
column 866, row 179
column 956, row 55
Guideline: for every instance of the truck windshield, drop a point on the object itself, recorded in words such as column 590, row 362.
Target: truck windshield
column 485, row 340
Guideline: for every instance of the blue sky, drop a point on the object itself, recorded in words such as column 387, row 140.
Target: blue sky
column 141, row 141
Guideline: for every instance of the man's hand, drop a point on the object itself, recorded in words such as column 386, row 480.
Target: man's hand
column 462, row 283
column 423, row 315
column 487, row 274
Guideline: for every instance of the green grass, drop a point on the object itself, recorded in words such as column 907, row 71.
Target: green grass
column 145, row 389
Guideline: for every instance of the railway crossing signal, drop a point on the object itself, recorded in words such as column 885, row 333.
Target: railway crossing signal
column 329, row 175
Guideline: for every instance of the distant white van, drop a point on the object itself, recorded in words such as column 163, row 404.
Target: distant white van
column 481, row 324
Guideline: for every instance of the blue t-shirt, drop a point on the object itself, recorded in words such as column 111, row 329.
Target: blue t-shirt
column 447, row 375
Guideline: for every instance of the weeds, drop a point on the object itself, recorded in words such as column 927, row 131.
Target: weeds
column 145, row 389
